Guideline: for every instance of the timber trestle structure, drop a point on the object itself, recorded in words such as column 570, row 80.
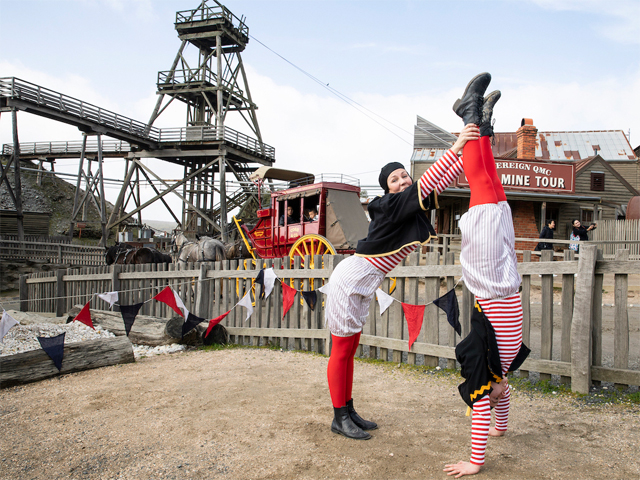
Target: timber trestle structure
column 211, row 86
column 211, row 289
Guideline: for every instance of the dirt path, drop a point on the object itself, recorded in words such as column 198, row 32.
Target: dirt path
column 263, row 414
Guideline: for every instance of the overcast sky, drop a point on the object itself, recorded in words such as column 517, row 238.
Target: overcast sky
column 568, row 65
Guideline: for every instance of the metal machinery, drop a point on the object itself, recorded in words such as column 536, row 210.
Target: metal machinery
column 212, row 87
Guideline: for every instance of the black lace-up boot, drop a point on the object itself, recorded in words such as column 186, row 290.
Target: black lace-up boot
column 469, row 107
column 358, row 420
column 343, row 425
column 486, row 128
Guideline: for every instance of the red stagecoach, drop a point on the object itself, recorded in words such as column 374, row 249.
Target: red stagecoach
column 285, row 228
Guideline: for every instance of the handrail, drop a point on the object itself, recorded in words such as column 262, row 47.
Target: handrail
column 71, row 147
column 205, row 12
column 15, row 88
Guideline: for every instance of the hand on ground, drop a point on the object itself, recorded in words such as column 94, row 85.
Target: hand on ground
column 462, row 468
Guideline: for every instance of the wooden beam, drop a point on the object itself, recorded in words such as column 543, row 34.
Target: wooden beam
column 582, row 321
column 36, row 365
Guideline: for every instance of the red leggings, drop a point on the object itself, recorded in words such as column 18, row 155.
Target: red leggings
column 481, row 173
column 340, row 368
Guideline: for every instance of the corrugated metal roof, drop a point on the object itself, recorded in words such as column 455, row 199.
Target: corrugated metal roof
column 427, row 154
column 429, row 135
column 570, row 145
column 609, row 144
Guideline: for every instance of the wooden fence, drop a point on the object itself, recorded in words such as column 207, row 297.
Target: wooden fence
column 211, row 289
column 611, row 235
column 60, row 253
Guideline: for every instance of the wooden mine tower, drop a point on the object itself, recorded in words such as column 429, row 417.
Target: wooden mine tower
column 212, row 89
column 208, row 150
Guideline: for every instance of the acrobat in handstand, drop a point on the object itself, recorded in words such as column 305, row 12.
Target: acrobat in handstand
column 489, row 269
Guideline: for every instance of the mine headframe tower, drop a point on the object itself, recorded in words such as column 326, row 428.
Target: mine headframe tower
column 211, row 89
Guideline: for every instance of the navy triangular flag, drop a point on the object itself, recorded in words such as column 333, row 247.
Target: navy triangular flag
column 54, row 347
column 449, row 303
column 190, row 323
column 129, row 313
column 311, row 297
column 260, row 281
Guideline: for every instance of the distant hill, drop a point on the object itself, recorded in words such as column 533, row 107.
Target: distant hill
column 55, row 197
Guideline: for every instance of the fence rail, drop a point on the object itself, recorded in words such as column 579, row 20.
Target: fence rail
column 60, row 253
column 211, row 289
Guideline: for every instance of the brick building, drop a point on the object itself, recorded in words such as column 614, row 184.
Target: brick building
column 588, row 175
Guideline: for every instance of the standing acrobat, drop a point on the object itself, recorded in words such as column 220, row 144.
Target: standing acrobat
column 489, row 269
column 399, row 223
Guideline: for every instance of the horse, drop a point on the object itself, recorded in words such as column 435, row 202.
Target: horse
column 237, row 250
column 118, row 253
column 124, row 253
column 206, row 249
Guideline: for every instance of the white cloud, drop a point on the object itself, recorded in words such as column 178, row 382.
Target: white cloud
column 618, row 20
column 322, row 134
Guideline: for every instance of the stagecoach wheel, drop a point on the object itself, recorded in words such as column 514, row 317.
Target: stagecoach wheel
column 311, row 245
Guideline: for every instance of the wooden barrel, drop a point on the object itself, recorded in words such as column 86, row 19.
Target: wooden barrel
column 633, row 208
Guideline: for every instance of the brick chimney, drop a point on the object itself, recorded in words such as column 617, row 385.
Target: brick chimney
column 527, row 140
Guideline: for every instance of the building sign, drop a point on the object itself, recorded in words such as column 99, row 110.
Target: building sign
column 524, row 175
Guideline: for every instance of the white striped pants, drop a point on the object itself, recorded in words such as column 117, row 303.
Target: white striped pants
column 505, row 316
column 351, row 288
column 487, row 256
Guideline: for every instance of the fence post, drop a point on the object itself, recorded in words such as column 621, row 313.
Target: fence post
column 202, row 302
column 61, row 298
column 596, row 321
column 621, row 325
column 581, row 327
column 525, row 297
column 115, row 283
column 450, row 259
column 24, row 294
column 432, row 311
column 546, row 321
column 567, row 314
column 59, row 254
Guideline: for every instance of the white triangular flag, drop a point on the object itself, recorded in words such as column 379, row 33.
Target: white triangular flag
column 384, row 299
column 246, row 303
column 269, row 280
column 109, row 297
column 180, row 304
column 6, row 323
column 324, row 289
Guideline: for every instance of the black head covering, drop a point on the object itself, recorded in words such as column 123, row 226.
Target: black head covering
column 385, row 172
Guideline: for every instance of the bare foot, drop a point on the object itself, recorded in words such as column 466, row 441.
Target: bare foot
column 496, row 433
column 461, row 468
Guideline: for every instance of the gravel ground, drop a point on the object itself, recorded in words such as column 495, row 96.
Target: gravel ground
column 263, row 414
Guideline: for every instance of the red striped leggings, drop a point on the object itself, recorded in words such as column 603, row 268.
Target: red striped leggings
column 506, row 317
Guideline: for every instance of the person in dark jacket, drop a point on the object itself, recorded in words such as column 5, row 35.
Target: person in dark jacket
column 579, row 232
column 546, row 233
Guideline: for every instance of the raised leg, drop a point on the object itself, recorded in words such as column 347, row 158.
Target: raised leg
column 480, row 183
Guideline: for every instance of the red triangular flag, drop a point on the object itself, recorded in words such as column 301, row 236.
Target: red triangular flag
column 414, row 315
column 288, row 296
column 167, row 295
column 85, row 316
column 214, row 322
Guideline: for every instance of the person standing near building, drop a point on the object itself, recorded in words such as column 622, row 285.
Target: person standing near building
column 546, row 233
column 580, row 233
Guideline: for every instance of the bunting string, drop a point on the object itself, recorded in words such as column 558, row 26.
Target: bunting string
column 266, row 279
